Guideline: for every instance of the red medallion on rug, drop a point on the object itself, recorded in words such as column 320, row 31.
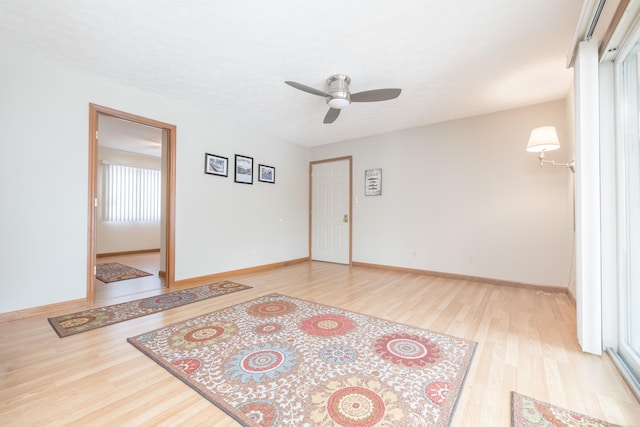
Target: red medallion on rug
column 278, row 361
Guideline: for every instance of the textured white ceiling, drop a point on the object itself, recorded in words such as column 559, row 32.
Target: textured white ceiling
column 452, row 59
column 124, row 135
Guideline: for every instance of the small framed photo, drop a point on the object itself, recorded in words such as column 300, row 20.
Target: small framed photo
column 244, row 169
column 216, row 165
column 266, row 174
column 373, row 182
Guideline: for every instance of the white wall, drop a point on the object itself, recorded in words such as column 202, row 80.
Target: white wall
column 125, row 236
column 461, row 189
column 220, row 225
column 449, row 190
column 227, row 226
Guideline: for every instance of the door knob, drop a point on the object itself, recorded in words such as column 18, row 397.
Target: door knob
column 345, row 218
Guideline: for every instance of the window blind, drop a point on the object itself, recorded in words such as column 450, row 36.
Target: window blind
column 130, row 194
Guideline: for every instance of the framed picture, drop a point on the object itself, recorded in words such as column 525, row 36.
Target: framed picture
column 267, row 174
column 373, row 182
column 216, row 165
column 244, row 169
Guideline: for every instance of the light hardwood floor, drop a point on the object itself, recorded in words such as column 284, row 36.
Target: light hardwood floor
column 526, row 343
column 107, row 293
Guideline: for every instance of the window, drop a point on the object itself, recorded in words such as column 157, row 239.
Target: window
column 627, row 353
column 130, row 194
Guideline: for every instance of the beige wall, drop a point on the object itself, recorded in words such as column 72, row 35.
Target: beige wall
column 463, row 191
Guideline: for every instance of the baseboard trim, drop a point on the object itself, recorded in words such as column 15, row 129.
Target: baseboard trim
column 140, row 251
column 224, row 275
column 82, row 303
column 21, row 314
column 544, row 288
column 44, row 309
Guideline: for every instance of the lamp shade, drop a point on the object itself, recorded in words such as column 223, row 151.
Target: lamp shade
column 543, row 138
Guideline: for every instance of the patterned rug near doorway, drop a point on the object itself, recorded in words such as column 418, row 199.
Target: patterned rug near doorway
column 528, row 412
column 114, row 272
column 281, row 361
column 87, row 320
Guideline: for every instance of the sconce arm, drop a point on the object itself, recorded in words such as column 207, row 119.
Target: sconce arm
column 571, row 165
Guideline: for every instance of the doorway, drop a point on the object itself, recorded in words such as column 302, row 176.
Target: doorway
column 167, row 253
column 330, row 224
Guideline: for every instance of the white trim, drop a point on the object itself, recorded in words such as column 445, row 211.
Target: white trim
column 588, row 244
column 626, row 170
column 628, row 203
column 608, row 209
column 587, row 16
column 626, row 373
column 622, row 40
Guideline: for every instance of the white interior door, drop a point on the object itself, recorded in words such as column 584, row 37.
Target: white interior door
column 331, row 211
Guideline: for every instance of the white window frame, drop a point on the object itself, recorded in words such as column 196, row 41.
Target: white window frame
column 627, row 144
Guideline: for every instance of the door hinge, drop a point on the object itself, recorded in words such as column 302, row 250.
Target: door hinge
column 95, row 270
column 95, row 202
column 96, row 134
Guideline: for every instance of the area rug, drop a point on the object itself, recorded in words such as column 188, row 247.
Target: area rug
column 114, row 272
column 529, row 412
column 75, row 323
column 281, row 361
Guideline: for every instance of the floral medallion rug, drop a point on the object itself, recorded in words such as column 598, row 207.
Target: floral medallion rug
column 94, row 318
column 114, row 272
column 528, row 412
column 281, row 361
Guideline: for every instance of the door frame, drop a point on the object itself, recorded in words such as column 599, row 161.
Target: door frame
column 170, row 189
column 311, row 164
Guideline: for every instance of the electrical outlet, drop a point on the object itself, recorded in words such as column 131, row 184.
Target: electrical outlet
column 472, row 258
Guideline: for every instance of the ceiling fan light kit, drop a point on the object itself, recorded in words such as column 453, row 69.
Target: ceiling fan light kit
column 338, row 96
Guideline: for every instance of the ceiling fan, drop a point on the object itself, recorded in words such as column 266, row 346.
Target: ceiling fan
column 338, row 95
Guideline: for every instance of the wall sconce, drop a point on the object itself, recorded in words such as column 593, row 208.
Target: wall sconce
column 545, row 139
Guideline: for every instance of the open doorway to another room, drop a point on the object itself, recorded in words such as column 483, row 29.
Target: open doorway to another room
column 132, row 186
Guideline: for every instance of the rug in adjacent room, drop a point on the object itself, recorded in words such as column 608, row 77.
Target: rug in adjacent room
column 277, row 360
column 87, row 320
column 114, row 272
column 529, row 412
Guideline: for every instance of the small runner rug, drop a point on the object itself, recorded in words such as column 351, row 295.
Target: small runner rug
column 87, row 320
column 114, row 272
column 277, row 360
column 528, row 412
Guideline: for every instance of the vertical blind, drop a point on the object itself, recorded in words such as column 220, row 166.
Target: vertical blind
column 130, row 194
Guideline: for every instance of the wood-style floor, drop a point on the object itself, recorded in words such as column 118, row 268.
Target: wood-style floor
column 526, row 343
column 112, row 293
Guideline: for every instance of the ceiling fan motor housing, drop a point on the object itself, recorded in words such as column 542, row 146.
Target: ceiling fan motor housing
column 339, row 96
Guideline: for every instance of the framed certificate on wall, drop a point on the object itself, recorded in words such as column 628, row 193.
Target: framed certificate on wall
column 373, row 182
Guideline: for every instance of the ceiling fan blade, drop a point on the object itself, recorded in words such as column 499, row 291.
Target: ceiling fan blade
column 375, row 95
column 332, row 115
column 306, row 88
